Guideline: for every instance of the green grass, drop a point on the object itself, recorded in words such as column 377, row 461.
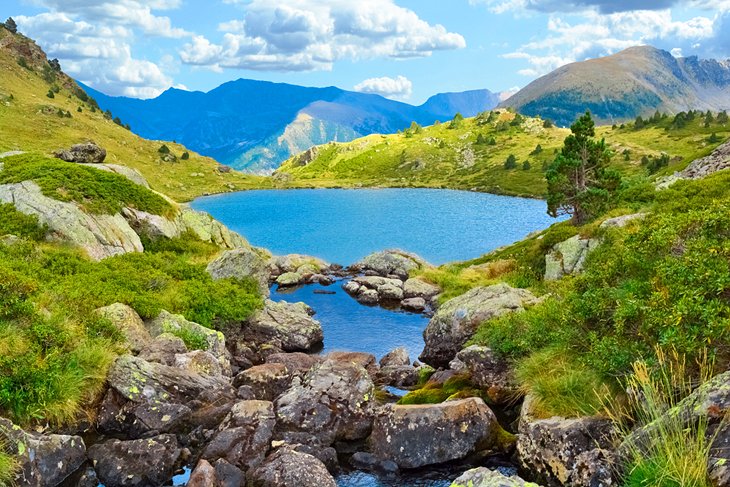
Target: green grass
column 192, row 339
column 13, row 222
column 31, row 118
column 457, row 387
column 8, row 466
column 460, row 158
column 96, row 191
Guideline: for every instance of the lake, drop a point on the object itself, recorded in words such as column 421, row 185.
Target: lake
column 344, row 225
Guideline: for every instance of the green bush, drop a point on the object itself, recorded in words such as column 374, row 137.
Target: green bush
column 194, row 340
column 13, row 222
column 97, row 191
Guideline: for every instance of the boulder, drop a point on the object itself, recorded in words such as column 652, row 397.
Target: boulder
column 362, row 359
column 333, row 402
column 362, row 460
column 287, row 326
column 398, row 356
column 207, row 229
column 267, row 381
column 163, row 349
column 456, row 320
column 243, row 438
column 303, row 264
column 220, row 474
column 417, row 288
column 391, row 263
column 203, row 475
column 297, row 363
column 483, row 477
column 100, row 236
column 568, row 257
column 398, row 376
column 367, row 296
column 241, row 263
column 375, row 282
column 198, row 362
column 352, row 288
column 216, row 342
column 551, row 449
column 390, row 292
column 490, row 373
column 290, row 279
column 417, row 305
column 150, row 225
column 151, row 461
column 416, row 436
column 132, row 174
column 126, row 320
column 289, row 468
column 44, row 459
column 87, row 153
column 622, row 221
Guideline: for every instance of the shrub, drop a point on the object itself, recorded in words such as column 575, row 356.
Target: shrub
column 163, row 149
column 50, row 94
column 526, row 166
column 193, row 340
column 13, row 222
column 510, row 162
column 97, row 191
column 457, row 121
column 185, row 156
column 548, row 124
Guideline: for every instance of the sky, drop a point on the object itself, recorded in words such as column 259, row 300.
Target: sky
column 406, row 50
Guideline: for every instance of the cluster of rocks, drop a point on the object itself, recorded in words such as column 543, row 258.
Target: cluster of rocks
column 295, row 270
column 386, row 281
column 717, row 161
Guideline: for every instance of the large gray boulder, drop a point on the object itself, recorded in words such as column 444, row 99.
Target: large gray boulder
column 267, row 381
column 418, row 288
column 288, row 326
column 556, row 450
column 208, row 229
column 420, row 435
column 568, row 257
column 333, row 402
column 491, row 373
column 290, row 468
column 241, row 263
column 126, row 320
column 86, row 153
column 44, row 459
column 296, row 263
column 456, row 321
column 243, row 438
column 483, row 477
column 100, row 236
column 145, row 462
column 130, row 173
column 391, row 263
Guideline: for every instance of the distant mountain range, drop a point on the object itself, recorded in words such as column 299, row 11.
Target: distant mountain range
column 256, row 125
column 633, row 82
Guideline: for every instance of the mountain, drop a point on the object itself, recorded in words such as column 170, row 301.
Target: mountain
column 633, row 82
column 42, row 110
column 255, row 125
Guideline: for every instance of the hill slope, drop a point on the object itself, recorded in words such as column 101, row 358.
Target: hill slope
column 471, row 154
column 255, row 125
column 30, row 120
column 633, row 82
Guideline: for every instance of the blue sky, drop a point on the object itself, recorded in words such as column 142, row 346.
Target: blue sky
column 403, row 49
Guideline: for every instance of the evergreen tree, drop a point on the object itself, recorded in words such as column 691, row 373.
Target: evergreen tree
column 722, row 117
column 548, row 124
column 185, row 156
column 526, row 166
column 510, row 162
column 579, row 180
column 457, row 121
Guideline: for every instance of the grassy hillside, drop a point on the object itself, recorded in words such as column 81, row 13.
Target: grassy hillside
column 471, row 154
column 30, row 120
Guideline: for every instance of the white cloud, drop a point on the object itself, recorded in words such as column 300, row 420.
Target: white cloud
column 603, row 6
column 398, row 88
column 300, row 35
column 93, row 40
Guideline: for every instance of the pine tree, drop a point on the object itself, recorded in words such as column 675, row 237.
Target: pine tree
column 579, row 180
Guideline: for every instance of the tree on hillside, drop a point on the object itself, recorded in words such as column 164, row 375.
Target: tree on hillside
column 11, row 25
column 457, row 121
column 722, row 117
column 579, row 180
column 548, row 124
column 510, row 162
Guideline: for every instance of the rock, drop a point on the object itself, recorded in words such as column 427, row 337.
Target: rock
column 550, row 448
column 169, row 323
column 490, row 373
column 417, row 288
column 126, row 320
column 622, row 221
column 87, row 153
column 398, row 356
column 368, row 296
column 223, row 169
column 290, row 468
column 163, row 349
column 362, row 359
column 297, row 363
column 204, row 475
column 398, row 376
column 10, row 240
column 239, row 264
column 324, row 280
column 228, row 475
column 148, row 397
column 89, row 478
column 367, row 461
column 391, row 263
column 483, row 477
column 287, row 326
column 333, row 402
column 717, row 161
column 456, row 320
column 352, row 288
column 132, row 174
column 44, row 459
column 568, row 257
column 146, row 462
column 100, row 236
column 207, row 229
column 375, row 282
column 199, row 362
column 305, row 157
column 594, row 468
column 267, row 381
column 389, row 292
column 290, row 279
column 150, row 225
column 243, row 438
column 282, row 264
column 417, row 305
column 416, row 436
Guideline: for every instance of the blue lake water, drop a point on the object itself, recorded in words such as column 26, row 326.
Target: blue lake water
column 344, row 225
